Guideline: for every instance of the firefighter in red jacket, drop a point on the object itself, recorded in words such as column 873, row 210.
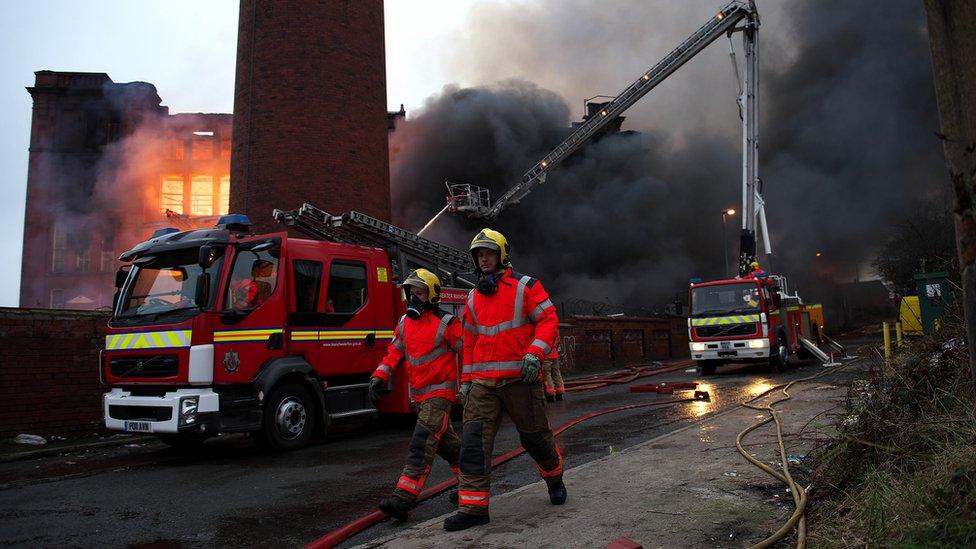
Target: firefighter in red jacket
column 510, row 326
column 428, row 340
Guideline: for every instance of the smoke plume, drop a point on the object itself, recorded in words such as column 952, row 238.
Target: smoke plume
column 847, row 142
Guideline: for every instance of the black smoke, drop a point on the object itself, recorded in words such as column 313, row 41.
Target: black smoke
column 848, row 117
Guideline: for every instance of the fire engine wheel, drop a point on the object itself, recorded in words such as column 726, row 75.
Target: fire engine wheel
column 289, row 418
column 778, row 361
column 707, row 367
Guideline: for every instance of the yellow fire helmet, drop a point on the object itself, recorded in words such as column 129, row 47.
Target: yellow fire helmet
column 754, row 265
column 493, row 240
column 422, row 278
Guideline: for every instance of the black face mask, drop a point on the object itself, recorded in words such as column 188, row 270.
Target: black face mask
column 488, row 284
column 414, row 307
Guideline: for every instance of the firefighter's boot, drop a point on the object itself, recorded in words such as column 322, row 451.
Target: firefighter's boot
column 463, row 521
column 395, row 507
column 557, row 492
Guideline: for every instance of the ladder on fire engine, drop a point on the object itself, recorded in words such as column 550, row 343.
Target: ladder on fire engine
column 473, row 201
column 362, row 230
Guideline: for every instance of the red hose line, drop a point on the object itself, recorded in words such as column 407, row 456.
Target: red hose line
column 356, row 526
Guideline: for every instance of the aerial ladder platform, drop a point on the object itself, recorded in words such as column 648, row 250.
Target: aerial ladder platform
column 474, row 202
column 407, row 250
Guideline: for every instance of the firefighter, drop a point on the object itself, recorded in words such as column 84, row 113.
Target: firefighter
column 755, row 271
column 248, row 293
column 428, row 339
column 509, row 328
column 555, row 388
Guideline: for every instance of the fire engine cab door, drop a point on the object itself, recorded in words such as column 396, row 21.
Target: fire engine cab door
column 358, row 319
column 250, row 327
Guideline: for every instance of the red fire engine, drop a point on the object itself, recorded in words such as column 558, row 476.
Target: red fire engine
column 740, row 320
column 219, row 330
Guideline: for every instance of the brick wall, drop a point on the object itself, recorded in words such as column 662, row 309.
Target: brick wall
column 310, row 118
column 598, row 342
column 49, row 372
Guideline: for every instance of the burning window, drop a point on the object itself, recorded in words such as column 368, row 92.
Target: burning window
column 172, row 196
column 174, row 149
column 201, row 195
column 224, row 206
column 59, row 248
column 202, row 148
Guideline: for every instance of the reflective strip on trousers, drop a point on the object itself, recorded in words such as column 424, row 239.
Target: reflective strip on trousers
column 409, row 485
column 447, row 385
column 473, row 498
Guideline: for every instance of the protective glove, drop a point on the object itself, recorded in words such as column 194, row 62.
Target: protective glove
column 374, row 389
column 464, row 390
column 531, row 365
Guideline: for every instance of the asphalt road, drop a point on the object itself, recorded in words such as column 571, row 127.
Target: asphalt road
column 230, row 493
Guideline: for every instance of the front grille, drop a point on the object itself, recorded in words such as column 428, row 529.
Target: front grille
column 736, row 330
column 144, row 413
column 145, row 366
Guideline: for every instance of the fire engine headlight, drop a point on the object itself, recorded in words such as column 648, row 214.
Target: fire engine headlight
column 188, row 410
column 757, row 343
column 696, row 346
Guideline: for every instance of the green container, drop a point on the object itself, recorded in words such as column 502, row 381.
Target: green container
column 934, row 293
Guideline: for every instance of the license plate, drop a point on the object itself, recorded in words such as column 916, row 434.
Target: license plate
column 725, row 344
column 138, row 426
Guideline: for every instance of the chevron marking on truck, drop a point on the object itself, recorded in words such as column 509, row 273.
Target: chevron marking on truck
column 165, row 339
column 720, row 320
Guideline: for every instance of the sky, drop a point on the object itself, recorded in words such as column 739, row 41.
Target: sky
column 186, row 48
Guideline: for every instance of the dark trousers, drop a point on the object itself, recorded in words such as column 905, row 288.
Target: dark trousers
column 526, row 404
column 432, row 436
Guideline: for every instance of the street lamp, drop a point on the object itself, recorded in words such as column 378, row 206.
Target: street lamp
column 726, row 213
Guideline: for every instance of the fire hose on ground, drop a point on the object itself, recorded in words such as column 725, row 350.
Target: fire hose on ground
column 797, row 519
column 356, row 526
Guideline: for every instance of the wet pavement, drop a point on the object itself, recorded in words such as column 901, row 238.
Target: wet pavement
column 230, row 493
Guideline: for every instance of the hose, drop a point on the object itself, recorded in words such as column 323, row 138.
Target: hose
column 337, row 536
column 797, row 519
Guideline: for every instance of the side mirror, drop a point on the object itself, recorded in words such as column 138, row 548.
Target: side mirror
column 208, row 254
column 202, row 294
column 120, row 276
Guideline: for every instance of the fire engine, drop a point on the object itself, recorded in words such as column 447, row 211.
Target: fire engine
column 221, row 330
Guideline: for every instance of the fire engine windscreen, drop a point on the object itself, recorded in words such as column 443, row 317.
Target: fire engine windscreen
column 165, row 283
column 725, row 299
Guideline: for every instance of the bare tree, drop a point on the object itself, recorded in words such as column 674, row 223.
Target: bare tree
column 952, row 36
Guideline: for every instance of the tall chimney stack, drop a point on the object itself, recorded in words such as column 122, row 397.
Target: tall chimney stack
column 310, row 109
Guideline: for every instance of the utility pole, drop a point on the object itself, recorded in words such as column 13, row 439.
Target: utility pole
column 726, row 213
column 952, row 38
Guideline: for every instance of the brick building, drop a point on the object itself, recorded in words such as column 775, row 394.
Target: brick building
column 107, row 164
column 310, row 108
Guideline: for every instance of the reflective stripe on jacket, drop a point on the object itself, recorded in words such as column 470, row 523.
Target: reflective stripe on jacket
column 429, row 346
column 501, row 328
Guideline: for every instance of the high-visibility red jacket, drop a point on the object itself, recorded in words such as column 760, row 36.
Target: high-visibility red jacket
column 501, row 328
column 429, row 345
